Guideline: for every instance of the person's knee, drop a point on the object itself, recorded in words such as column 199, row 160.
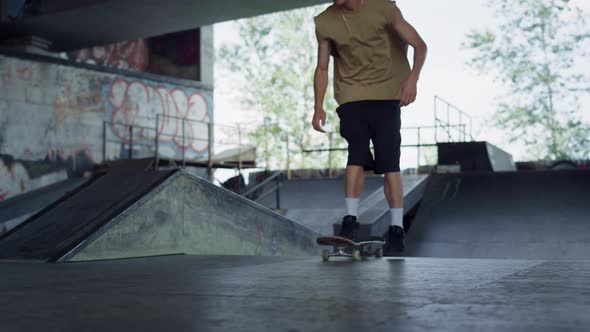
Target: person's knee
column 355, row 169
column 394, row 176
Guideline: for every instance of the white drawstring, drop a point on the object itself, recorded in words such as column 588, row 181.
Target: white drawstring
column 346, row 22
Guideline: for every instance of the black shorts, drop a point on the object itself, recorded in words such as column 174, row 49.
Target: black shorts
column 372, row 120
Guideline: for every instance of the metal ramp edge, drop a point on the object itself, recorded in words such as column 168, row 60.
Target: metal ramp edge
column 51, row 206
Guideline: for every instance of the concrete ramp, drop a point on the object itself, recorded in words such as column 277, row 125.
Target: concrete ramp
column 132, row 214
column 520, row 215
column 190, row 215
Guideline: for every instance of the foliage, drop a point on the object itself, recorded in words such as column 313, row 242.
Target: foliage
column 536, row 51
column 273, row 65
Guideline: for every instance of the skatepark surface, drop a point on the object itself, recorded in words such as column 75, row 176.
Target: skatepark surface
column 486, row 252
column 236, row 293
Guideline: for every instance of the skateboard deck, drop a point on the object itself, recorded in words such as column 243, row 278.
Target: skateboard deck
column 371, row 247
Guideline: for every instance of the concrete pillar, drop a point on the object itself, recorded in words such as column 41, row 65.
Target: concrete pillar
column 207, row 63
column 207, row 55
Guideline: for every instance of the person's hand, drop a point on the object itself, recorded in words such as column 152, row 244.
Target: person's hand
column 408, row 91
column 319, row 120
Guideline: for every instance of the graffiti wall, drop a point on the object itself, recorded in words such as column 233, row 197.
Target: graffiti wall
column 53, row 120
column 131, row 55
column 180, row 116
column 175, row 54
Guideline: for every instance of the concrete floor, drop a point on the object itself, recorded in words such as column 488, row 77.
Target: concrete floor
column 206, row 293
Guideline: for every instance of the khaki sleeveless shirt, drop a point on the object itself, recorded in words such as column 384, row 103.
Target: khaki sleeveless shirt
column 370, row 59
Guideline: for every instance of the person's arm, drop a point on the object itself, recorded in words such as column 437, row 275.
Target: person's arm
column 320, row 83
column 408, row 89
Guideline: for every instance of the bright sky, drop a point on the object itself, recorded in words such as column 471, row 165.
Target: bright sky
column 443, row 25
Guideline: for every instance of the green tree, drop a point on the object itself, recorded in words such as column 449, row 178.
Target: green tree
column 536, row 51
column 272, row 65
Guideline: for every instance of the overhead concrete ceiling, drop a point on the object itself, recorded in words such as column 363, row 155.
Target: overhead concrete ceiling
column 97, row 22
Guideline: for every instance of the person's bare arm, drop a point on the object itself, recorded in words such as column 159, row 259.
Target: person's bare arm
column 408, row 89
column 320, row 83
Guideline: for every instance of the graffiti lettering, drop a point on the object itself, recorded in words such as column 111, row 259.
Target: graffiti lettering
column 135, row 103
column 124, row 55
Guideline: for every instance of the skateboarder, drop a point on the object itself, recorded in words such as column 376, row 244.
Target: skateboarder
column 368, row 40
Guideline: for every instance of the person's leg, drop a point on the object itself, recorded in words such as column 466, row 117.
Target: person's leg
column 387, row 140
column 355, row 179
column 353, row 184
column 354, row 129
column 393, row 188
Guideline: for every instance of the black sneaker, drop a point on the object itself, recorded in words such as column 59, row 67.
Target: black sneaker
column 395, row 240
column 350, row 227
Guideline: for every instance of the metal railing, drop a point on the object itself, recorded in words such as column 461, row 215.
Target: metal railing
column 449, row 120
column 183, row 140
column 450, row 125
column 161, row 135
column 239, row 134
column 278, row 178
column 179, row 140
column 418, row 145
column 126, row 140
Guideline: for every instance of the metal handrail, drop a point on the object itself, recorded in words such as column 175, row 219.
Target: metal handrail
column 372, row 148
column 179, row 118
column 150, row 128
column 277, row 177
column 263, row 183
column 447, row 127
column 412, row 128
column 452, row 106
column 463, row 128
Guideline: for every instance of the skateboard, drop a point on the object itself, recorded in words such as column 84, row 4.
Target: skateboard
column 357, row 249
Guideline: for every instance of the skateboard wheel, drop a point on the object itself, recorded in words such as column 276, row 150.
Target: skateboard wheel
column 356, row 255
column 325, row 255
column 379, row 253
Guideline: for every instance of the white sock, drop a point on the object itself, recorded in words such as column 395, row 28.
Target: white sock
column 352, row 206
column 397, row 217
